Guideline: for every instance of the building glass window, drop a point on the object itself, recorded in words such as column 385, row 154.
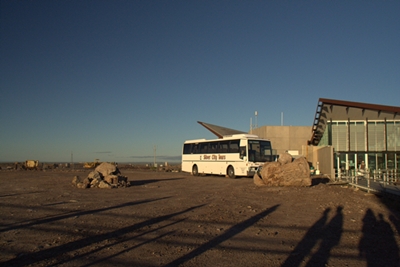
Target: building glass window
column 391, row 161
column 382, row 152
column 325, row 138
column 357, row 136
column 397, row 160
column 397, row 131
column 376, row 136
column 371, row 136
column 339, row 136
column 360, row 157
column 372, row 161
column 351, row 161
column 380, row 136
column 342, row 160
column 380, row 157
column 391, row 136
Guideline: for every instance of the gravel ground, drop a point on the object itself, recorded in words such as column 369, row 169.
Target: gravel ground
column 174, row 219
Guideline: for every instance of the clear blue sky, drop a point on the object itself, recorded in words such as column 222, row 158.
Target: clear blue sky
column 111, row 79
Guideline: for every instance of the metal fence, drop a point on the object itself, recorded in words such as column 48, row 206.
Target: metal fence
column 374, row 181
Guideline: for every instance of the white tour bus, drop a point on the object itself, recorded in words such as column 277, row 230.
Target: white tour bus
column 234, row 155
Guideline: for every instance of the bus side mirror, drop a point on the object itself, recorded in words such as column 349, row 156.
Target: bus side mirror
column 242, row 153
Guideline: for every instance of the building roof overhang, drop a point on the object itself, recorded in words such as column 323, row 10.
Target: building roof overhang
column 334, row 110
column 219, row 131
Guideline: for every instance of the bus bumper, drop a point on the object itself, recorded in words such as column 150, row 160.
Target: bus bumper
column 251, row 171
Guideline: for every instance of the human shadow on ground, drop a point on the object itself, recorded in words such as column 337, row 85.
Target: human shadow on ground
column 70, row 214
column 393, row 204
column 36, row 258
column 234, row 230
column 329, row 234
column 330, row 238
column 149, row 181
column 396, row 222
column 378, row 244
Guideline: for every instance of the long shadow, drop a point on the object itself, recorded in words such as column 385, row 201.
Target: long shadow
column 50, row 253
column 234, row 230
column 378, row 245
column 396, row 222
column 309, row 240
column 319, row 180
column 143, row 182
column 73, row 214
column 130, row 248
column 393, row 204
column 330, row 238
column 21, row 224
column 24, row 193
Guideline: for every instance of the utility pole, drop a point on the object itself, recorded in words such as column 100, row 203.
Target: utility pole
column 154, row 152
column 253, row 126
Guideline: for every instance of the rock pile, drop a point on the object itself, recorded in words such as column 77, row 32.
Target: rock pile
column 284, row 172
column 106, row 175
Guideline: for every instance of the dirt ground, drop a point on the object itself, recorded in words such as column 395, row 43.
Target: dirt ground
column 174, row 219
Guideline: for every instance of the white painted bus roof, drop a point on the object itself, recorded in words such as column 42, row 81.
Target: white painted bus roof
column 228, row 137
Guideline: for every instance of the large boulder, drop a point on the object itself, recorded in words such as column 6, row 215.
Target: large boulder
column 104, row 184
column 111, row 179
column 284, row 172
column 285, row 158
column 80, row 183
column 106, row 175
column 94, row 175
column 106, row 169
column 257, row 180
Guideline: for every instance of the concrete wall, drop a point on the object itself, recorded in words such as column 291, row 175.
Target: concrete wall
column 295, row 138
column 285, row 138
column 321, row 156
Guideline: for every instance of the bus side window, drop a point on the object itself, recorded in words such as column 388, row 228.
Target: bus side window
column 186, row 148
column 211, row 148
column 203, row 148
column 224, row 147
column 234, row 146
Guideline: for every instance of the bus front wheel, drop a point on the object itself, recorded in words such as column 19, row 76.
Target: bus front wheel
column 231, row 172
column 195, row 170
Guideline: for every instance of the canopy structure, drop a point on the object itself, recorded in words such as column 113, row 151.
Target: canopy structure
column 220, row 131
column 334, row 110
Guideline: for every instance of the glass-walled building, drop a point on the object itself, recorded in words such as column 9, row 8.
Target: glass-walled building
column 360, row 133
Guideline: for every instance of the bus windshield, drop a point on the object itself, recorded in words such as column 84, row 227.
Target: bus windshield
column 259, row 151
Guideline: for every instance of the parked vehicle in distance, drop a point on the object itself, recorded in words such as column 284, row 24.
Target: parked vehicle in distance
column 31, row 165
column 234, row 155
column 91, row 165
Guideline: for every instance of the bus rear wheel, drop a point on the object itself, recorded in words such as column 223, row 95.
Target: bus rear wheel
column 195, row 170
column 231, row 172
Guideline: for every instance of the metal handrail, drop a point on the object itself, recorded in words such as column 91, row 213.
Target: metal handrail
column 377, row 181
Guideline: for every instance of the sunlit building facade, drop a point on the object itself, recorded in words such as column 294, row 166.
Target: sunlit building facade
column 358, row 132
